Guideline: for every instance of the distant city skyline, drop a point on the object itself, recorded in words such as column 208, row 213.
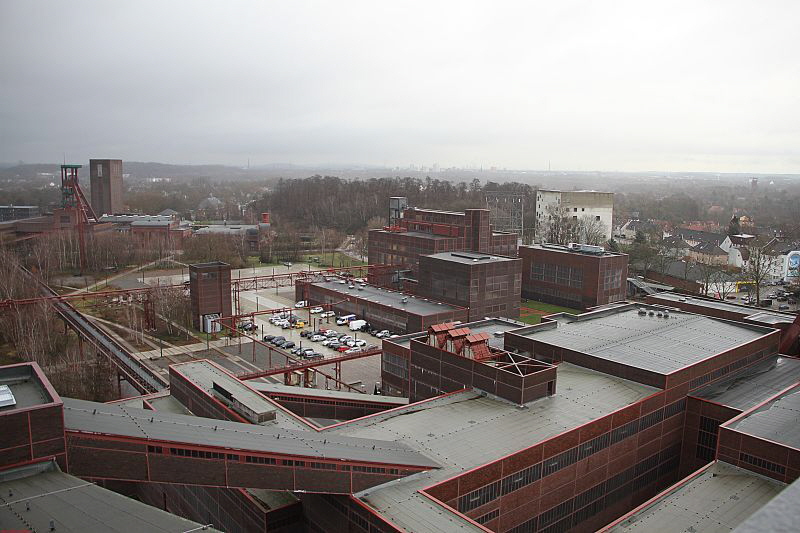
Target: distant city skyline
column 573, row 86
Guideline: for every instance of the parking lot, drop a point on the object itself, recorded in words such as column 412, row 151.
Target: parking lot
column 781, row 301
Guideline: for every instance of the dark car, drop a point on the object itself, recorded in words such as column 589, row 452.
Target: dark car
column 288, row 345
column 268, row 338
column 278, row 339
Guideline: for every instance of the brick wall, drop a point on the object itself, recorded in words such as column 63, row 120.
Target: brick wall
column 581, row 479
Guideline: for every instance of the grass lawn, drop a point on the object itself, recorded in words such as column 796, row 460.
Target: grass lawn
column 332, row 260
column 535, row 310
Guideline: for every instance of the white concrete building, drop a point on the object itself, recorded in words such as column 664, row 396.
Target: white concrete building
column 596, row 205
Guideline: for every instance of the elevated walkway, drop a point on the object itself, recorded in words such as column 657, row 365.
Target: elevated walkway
column 111, row 441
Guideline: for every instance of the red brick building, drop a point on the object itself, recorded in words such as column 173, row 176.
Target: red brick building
column 575, row 276
column 428, row 231
column 488, row 285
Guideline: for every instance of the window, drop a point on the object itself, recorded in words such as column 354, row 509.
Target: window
column 575, row 209
column 99, row 170
column 597, row 218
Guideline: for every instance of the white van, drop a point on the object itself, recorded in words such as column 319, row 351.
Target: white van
column 356, row 325
column 344, row 319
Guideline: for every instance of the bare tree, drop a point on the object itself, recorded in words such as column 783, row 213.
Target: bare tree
column 758, row 268
column 592, row 231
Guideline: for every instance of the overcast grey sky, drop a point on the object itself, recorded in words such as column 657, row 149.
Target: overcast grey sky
column 613, row 85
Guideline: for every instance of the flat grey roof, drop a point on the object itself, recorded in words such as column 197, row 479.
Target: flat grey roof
column 466, row 429
column 750, row 386
column 25, row 387
column 775, row 421
column 113, row 419
column 151, row 223
column 370, row 293
column 168, row 404
column 76, row 505
column 560, row 248
column 204, row 374
column 716, row 500
column 780, row 514
column 492, row 326
column 418, row 234
column 277, row 388
column 241, row 228
column 753, row 313
column 661, row 345
column 472, row 258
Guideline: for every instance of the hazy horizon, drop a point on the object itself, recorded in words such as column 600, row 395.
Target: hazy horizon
column 576, row 86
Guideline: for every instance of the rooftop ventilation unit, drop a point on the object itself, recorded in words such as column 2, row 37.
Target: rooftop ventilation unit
column 7, row 397
column 404, row 299
column 642, row 311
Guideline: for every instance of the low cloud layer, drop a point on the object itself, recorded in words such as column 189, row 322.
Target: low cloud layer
column 582, row 85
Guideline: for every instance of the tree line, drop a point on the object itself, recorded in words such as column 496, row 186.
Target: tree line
column 349, row 205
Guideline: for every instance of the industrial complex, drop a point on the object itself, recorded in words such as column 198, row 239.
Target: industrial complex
column 672, row 413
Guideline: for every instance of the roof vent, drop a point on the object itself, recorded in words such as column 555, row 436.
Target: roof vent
column 642, row 311
column 404, row 299
column 659, row 314
column 651, row 312
column 666, row 314
column 7, row 397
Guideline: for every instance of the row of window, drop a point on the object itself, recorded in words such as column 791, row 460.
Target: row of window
column 574, row 511
column 395, row 365
column 706, row 448
column 531, row 474
column 762, row 463
column 557, row 294
column 612, row 279
column 564, row 275
column 254, row 459
column 316, row 401
column 718, row 373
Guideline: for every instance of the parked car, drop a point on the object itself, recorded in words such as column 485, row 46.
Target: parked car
column 318, row 338
column 331, row 333
column 326, row 314
column 315, row 310
column 301, row 303
column 342, row 348
column 334, row 345
column 783, row 307
column 299, row 324
column 268, row 338
column 358, row 343
column 345, row 338
column 276, row 340
column 352, row 350
column 288, row 345
column 383, row 333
